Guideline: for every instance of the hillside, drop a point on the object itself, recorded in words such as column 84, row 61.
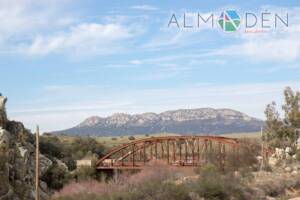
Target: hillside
column 184, row 121
column 17, row 161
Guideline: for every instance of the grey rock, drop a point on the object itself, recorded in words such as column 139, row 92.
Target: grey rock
column 3, row 117
column 45, row 164
column 17, row 161
column 4, row 140
column 288, row 169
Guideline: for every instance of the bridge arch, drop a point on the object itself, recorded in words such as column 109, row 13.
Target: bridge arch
column 184, row 151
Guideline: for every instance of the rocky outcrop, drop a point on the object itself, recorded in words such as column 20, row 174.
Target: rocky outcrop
column 17, row 160
column 184, row 121
column 3, row 118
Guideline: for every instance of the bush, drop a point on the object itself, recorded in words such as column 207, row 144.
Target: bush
column 71, row 164
column 85, row 173
column 131, row 138
column 56, row 177
column 213, row 184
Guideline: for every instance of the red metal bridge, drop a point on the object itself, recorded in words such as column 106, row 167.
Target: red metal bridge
column 184, row 151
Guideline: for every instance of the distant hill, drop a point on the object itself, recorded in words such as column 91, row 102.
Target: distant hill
column 183, row 121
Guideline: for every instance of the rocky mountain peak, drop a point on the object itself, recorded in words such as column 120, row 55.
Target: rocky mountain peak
column 91, row 121
column 182, row 121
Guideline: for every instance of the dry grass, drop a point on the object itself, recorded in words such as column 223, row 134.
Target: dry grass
column 156, row 171
column 117, row 140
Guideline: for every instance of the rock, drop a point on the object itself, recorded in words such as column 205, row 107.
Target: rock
column 45, row 164
column 279, row 153
column 259, row 158
column 61, row 164
column 288, row 169
column 3, row 117
column 273, row 161
column 298, row 143
column 294, row 172
column 288, row 157
column 17, row 160
column 288, row 150
column 296, row 168
column 4, row 140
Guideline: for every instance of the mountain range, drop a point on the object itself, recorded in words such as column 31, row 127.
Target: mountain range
column 183, row 121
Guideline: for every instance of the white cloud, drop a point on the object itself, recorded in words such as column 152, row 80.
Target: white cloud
column 136, row 62
column 281, row 44
column 282, row 48
column 144, row 7
column 23, row 18
column 84, row 38
column 34, row 27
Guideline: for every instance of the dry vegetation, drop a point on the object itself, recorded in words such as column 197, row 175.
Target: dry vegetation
column 159, row 181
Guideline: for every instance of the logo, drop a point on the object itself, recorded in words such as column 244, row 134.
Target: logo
column 229, row 21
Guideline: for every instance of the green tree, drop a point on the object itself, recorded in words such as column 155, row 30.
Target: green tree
column 273, row 121
column 287, row 127
column 292, row 111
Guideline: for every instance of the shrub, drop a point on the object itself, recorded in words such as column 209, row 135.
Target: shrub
column 56, row 177
column 212, row 184
column 131, row 138
column 71, row 164
column 85, row 173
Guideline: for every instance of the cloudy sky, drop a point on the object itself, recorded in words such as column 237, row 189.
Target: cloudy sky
column 62, row 61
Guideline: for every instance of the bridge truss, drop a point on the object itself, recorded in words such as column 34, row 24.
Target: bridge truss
column 183, row 151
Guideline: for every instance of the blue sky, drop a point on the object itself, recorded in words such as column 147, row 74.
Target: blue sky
column 63, row 61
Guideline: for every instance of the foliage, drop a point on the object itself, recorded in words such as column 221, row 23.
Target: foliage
column 287, row 127
column 215, row 185
column 131, row 138
column 159, row 182
column 52, row 147
column 85, row 145
column 69, row 152
column 71, row 163
column 56, row 177
column 85, row 173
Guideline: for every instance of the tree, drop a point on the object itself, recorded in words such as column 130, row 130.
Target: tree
column 284, row 128
column 273, row 121
column 291, row 108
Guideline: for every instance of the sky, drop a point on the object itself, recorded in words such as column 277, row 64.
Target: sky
column 62, row 61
